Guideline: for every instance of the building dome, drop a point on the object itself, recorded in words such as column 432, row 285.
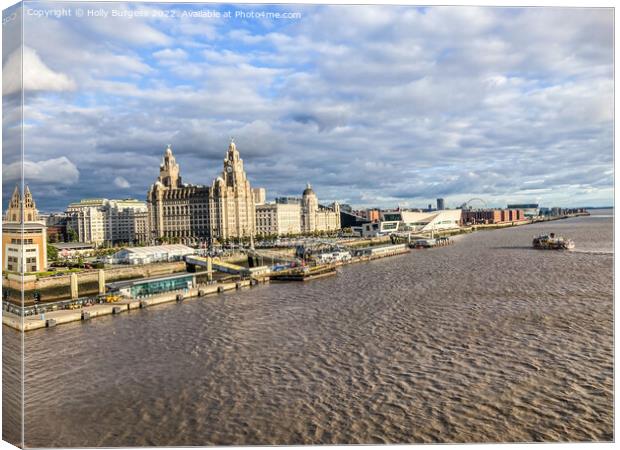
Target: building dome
column 308, row 190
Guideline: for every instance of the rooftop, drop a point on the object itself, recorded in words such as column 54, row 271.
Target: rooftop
column 72, row 245
column 168, row 248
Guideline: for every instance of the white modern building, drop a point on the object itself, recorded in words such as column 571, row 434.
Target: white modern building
column 278, row 219
column 429, row 221
column 411, row 221
column 148, row 255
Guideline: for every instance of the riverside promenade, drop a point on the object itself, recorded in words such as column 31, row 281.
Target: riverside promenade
column 58, row 317
column 53, row 318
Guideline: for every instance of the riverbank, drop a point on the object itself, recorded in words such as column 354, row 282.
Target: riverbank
column 53, row 318
column 58, row 317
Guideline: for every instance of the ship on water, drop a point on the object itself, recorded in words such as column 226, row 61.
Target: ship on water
column 552, row 242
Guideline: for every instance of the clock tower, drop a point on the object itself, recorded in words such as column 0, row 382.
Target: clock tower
column 233, row 211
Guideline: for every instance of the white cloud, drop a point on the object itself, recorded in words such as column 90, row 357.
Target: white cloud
column 37, row 76
column 122, row 183
column 56, row 171
column 171, row 54
column 426, row 95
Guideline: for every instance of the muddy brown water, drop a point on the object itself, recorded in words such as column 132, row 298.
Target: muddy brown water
column 486, row 340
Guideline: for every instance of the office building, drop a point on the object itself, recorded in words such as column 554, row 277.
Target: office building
column 315, row 217
column 278, row 219
column 100, row 221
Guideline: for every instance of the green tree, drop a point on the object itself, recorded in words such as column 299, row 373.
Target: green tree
column 52, row 252
column 72, row 235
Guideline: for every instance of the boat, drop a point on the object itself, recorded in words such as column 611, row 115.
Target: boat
column 552, row 242
column 304, row 273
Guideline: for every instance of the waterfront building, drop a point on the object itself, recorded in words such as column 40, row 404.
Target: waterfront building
column 351, row 219
column 24, row 235
column 529, row 209
column 121, row 220
column 142, row 234
column 278, row 219
column 177, row 212
column 315, row 217
column 101, row 220
column 373, row 215
column 411, row 221
column 147, row 287
column 232, row 207
column 195, row 214
column 152, row 254
column 87, row 219
column 492, row 216
column 440, row 204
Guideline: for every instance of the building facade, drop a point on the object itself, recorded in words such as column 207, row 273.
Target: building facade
column 492, row 216
column 317, row 218
column 24, row 235
column 278, row 219
column 99, row 221
column 177, row 212
column 195, row 214
column 529, row 209
column 260, row 196
column 233, row 210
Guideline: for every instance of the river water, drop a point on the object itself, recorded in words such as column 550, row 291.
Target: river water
column 486, row 340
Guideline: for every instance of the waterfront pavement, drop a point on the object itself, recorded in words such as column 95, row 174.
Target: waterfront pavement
column 53, row 318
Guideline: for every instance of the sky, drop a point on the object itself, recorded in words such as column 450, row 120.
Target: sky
column 372, row 105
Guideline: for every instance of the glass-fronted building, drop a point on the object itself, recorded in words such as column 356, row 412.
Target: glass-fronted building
column 151, row 286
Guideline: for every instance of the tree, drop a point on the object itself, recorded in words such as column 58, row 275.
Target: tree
column 72, row 235
column 52, row 252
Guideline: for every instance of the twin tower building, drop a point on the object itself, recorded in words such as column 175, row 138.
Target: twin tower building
column 187, row 213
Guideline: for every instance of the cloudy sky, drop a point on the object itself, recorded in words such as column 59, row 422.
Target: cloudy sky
column 375, row 106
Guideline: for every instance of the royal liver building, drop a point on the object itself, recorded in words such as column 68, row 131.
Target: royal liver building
column 195, row 214
column 232, row 208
